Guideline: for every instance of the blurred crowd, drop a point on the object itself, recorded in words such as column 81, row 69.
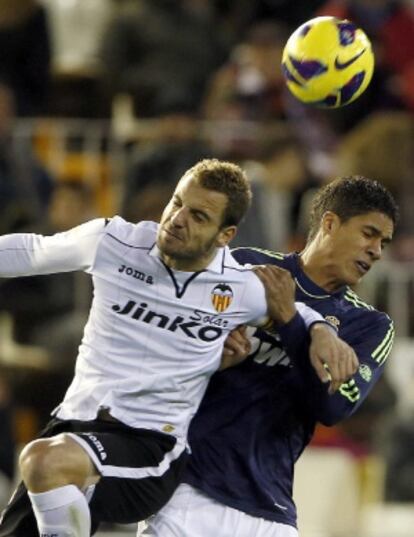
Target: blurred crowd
column 194, row 79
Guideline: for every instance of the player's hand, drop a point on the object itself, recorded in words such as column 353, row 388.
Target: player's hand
column 236, row 348
column 333, row 360
column 280, row 292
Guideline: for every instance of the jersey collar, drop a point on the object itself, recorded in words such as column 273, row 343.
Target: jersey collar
column 308, row 286
column 222, row 258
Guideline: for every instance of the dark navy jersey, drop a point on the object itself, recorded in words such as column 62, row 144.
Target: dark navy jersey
column 256, row 419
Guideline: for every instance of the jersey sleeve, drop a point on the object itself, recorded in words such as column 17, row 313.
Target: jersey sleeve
column 372, row 346
column 295, row 337
column 26, row 254
column 255, row 300
column 256, row 256
column 309, row 315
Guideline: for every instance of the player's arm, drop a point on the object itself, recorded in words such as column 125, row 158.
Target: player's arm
column 317, row 346
column 280, row 290
column 25, row 254
column 333, row 360
column 372, row 346
column 280, row 310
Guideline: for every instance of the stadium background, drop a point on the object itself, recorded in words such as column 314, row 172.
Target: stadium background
column 103, row 105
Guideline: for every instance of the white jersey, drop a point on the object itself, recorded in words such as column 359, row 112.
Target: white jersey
column 154, row 335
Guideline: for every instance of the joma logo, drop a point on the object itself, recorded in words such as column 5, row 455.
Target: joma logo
column 98, row 446
column 138, row 275
column 191, row 329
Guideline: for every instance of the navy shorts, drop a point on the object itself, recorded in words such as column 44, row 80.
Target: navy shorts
column 140, row 470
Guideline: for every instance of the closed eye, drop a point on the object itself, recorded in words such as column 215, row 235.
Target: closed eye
column 200, row 216
column 368, row 234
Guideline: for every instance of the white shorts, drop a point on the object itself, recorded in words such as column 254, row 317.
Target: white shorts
column 190, row 513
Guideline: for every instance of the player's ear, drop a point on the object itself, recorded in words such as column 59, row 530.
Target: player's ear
column 330, row 222
column 226, row 235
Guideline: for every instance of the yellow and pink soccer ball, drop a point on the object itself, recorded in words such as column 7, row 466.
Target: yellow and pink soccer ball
column 328, row 62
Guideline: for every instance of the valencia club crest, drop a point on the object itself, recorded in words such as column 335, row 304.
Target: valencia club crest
column 221, row 297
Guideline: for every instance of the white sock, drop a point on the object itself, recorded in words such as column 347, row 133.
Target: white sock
column 61, row 512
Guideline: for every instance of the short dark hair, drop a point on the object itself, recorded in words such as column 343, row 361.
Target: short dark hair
column 229, row 179
column 351, row 196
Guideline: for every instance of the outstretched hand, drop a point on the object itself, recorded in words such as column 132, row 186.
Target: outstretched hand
column 333, row 360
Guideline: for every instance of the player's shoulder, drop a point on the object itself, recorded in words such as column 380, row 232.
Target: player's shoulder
column 233, row 270
column 365, row 311
column 368, row 325
column 235, row 275
column 140, row 235
column 259, row 256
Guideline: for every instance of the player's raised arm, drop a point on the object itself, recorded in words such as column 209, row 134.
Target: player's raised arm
column 24, row 254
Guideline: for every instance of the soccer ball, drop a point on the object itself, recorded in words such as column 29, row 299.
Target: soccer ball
column 328, row 62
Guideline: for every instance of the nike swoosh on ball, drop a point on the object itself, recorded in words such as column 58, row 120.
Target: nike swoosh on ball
column 344, row 65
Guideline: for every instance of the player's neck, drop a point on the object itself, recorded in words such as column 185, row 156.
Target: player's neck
column 320, row 268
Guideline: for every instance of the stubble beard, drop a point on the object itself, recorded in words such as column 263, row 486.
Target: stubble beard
column 187, row 255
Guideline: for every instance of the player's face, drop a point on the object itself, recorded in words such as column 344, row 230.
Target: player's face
column 355, row 245
column 191, row 226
